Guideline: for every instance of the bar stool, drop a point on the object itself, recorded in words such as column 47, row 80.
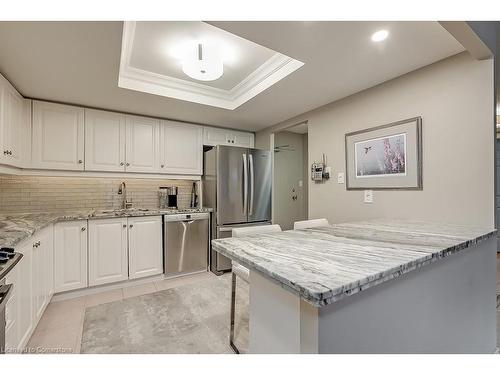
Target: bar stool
column 242, row 272
column 304, row 224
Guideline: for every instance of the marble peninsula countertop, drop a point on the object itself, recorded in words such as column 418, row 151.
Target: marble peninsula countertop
column 17, row 227
column 326, row 264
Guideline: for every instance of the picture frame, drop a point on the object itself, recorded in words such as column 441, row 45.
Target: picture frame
column 386, row 157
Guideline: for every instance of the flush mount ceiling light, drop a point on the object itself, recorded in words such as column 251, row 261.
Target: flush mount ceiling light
column 202, row 62
column 380, row 35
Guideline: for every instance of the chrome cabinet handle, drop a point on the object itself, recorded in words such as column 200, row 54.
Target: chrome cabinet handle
column 128, row 164
column 80, row 161
column 124, row 225
column 131, row 225
column 122, row 163
column 84, row 229
column 162, row 165
column 10, row 152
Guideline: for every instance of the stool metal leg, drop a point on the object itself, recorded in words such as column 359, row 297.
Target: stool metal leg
column 233, row 308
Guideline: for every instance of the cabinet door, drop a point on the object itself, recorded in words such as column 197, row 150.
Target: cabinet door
column 3, row 128
column 108, row 260
column 142, row 144
column 38, row 279
column 242, row 139
column 104, row 141
column 11, row 111
column 70, row 255
column 24, row 290
column 58, row 136
column 12, row 311
column 145, row 246
column 48, row 251
column 13, row 104
column 214, row 136
column 182, row 148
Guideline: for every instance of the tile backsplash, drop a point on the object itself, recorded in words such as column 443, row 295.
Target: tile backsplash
column 20, row 194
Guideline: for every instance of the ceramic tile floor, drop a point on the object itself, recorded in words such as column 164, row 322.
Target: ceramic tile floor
column 60, row 328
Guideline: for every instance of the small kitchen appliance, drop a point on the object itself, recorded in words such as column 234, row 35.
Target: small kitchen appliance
column 168, row 197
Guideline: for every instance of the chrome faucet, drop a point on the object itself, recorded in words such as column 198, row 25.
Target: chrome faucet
column 123, row 191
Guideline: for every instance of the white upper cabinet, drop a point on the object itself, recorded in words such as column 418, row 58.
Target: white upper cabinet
column 13, row 125
column 143, row 136
column 108, row 259
column 145, row 246
column 104, row 141
column 181, row 147
column 58, row 136
column 242, row 139
column 218, row 136
column 70, row 255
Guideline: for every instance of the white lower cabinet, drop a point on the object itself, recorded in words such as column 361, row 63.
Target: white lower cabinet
column 33, row 279
column 43, row 271
column 19, row 310
column 121, row 249
column 70, row 255
column 108, row 259
column 145, row 246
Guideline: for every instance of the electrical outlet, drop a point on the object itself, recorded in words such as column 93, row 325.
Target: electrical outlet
column 340, row 178
column 368, row 196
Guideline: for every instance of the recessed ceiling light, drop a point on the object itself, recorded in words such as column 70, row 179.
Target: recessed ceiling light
column 380, row 35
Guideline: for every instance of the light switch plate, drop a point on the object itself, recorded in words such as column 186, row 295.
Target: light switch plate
column 368, row 196
column 340, row 178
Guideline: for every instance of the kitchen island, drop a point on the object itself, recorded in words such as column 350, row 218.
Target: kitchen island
column 370, row 287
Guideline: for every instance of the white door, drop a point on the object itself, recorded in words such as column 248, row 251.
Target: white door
column 182, row 148
column 70, row 255
column 143, row 135
column 242, row 139
column 104, row 141
column 214, row 136
column 24, row 290
column 108, row 260
column 58, row 136
column 145, row 246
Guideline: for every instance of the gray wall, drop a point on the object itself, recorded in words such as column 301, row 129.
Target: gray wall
column 455, row 99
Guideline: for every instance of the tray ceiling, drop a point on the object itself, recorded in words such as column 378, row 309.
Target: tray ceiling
column 150, row 63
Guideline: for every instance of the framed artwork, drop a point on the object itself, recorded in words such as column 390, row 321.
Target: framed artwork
column 385, row 157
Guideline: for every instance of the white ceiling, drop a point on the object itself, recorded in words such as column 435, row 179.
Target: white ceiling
column 78, row 62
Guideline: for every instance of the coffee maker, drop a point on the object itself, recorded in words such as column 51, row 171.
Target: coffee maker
column 168, row 197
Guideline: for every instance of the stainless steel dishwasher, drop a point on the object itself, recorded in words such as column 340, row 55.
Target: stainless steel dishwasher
column 186, row 243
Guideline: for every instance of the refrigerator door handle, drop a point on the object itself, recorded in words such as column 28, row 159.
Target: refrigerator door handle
column 245, row 184
column 252, row 186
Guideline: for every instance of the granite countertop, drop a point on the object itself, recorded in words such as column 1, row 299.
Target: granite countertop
column 15, row 228
column 326, row 264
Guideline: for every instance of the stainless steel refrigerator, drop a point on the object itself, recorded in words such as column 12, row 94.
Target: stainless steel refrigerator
column 237, row 184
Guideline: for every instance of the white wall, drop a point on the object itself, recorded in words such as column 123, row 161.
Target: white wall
column 455, row 98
